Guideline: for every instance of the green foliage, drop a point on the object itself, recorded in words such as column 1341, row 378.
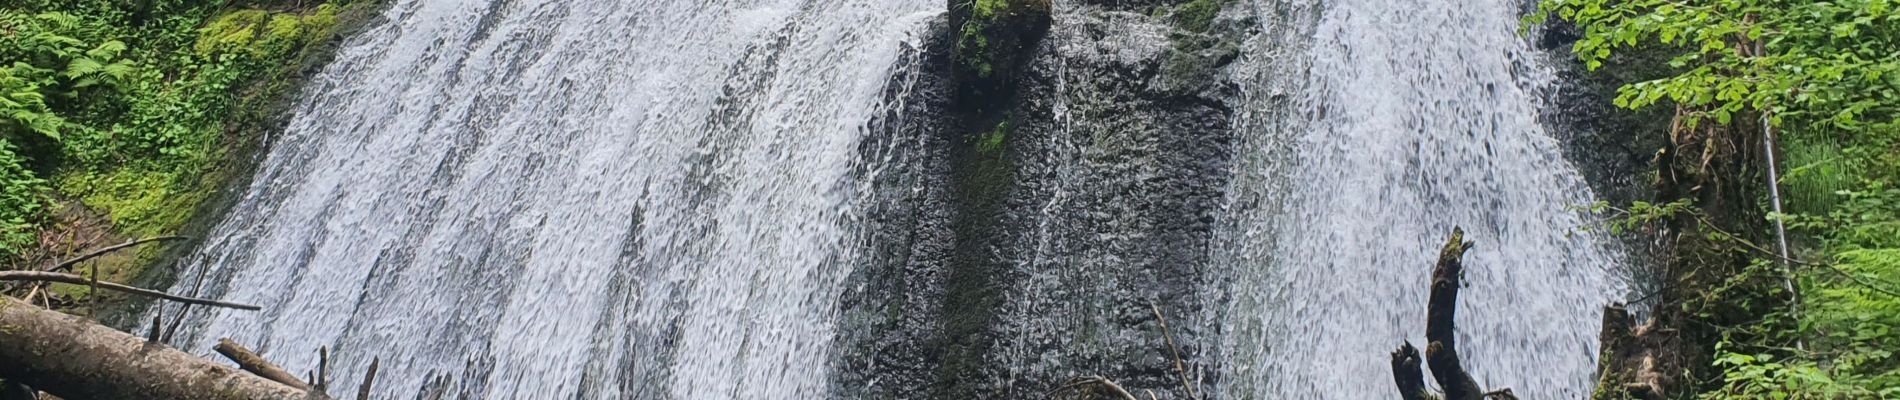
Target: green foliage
column 973, row 40
column 975, row 47
column 1762, row 377
column 1825, row 74
column 1821, row 63
column 127, row 106
column 57, row 57
column 1816, row 174
column 993, row 141
column 23, row 107
column 22, row 196
column 1640, row 214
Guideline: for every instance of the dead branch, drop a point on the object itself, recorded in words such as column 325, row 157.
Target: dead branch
column 1096, row 381
column 256, row 364
column 1113, row 388
column 1179, row 366
column 95, row 253
column 80, row 280
column 1441, row 352
column 369, row 379
column 1406, row 374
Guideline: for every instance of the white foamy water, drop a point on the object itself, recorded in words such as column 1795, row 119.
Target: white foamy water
column 1404, row 119
column 561, row 199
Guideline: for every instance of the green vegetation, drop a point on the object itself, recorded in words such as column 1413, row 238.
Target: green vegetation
column 22, row 197
column 992, row 141
column 978, row 38
column 130, row 107
column 1198, row 16
column 972, row 42
column 1825, row 76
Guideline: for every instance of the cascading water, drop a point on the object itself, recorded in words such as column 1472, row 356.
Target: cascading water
column 563, row 198
column 1406, row 119
column 745, row 199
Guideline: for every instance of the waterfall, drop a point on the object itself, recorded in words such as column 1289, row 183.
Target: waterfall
column 1398, row 121
column 705, row 199
column 562, row 199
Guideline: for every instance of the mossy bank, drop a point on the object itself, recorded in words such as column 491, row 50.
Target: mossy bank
column 152, row 111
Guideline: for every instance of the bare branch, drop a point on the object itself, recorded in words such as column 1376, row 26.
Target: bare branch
column 1179, row 366
column 95, row 253
column 80, row 280
column 257, row 365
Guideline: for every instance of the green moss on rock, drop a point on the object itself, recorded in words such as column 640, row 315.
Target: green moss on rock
column 993, row 37
column 232, row 31
column 264, row 34
column 993, row 140
column 1198, row 15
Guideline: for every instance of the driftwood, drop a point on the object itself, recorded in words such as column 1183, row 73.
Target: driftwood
column 1441, row 352
column 74, row 358
column 255, row 364
column 80, row 280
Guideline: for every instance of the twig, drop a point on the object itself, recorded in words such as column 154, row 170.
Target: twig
column 257, row 365
column 185, row 310
column 92, row 290
column 323, row 369
column 1097, row 380
column 1856, row 279
column 80, row 280
column 362, row 392
column 1501, row 394
column 156, row 322
column 1112, row 387
column 1179, row 366
column 68, row 264
column 1752, row 246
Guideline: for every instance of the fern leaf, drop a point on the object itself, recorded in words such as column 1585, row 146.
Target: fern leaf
column 83, row 67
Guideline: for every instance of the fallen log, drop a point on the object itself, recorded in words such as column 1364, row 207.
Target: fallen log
column 72, row 357
column 1441, row 349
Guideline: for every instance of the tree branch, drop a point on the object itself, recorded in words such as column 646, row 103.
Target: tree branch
column 257, row 365
column 95, row 253
column 1441, row 352
column 80, row 280
column 1179, row 366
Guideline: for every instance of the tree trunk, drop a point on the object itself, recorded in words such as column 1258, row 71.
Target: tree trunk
column 74, row 358
column 1441, row 350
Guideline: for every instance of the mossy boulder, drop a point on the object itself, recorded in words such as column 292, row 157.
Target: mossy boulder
column 993, row 42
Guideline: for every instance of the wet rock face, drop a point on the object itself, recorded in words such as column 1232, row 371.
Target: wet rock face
column 1028, row 243
column 1612, row 147
column 892, row 309
column 1121, row 168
